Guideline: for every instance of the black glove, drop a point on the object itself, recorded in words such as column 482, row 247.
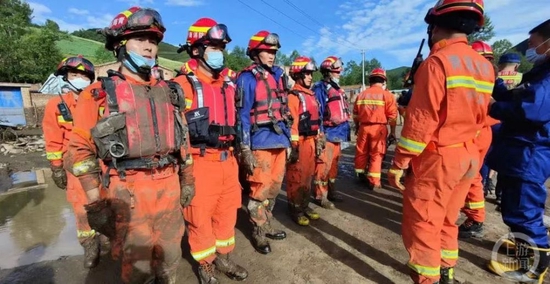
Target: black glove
column 59, row 176
column 101, row 217
column 391, row 140
column 247, row 160
column 294, row 155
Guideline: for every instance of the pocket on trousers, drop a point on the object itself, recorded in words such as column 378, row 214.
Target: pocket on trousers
column 426, row 170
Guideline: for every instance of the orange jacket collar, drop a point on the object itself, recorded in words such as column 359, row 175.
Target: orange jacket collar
column 207, row 79
column 301, row 88
column 446, row 42
column 151, row 82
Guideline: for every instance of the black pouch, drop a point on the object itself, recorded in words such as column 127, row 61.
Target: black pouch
column 198, row 122
column 304, row 124
column 110, row 136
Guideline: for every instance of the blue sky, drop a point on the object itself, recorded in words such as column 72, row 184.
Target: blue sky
column 389, row 30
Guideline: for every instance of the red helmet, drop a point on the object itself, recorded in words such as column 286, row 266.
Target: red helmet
column 378, row 72
column 76, row 63
column 132, row 21
column 205, row 31
column 484, row 49
column 332, row 64
column 263, row 40
column 443, row 7
column 301, row 64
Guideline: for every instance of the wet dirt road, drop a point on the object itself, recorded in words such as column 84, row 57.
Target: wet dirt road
column 359, row 242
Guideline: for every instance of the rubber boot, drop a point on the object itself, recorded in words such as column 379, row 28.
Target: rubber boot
column 91, row 252
column 166, row 277
column 259, row 240
column 528, row 274
column 311, row 214
column 324, row 202
column 273, row 233
column 333, row 194
column 298, row 215
column 446, row 275
column 104, row 245
column 470, row 228
column 206, row 274
column 229, row 268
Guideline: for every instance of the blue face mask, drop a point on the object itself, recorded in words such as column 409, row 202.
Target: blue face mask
column 215, row 59
column 139, row 60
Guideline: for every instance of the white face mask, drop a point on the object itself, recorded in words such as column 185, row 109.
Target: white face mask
column 336, row 80
column 532, row 56
column 78, row 84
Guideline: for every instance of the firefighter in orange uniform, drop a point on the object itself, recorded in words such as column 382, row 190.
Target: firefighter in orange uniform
column 141, row 142
column 264, row 134
column 307, row 141
column 211, row 114
column 474, row 207
column 334, row 108
column 75, row 74
column 452, row 90
column 374, row 109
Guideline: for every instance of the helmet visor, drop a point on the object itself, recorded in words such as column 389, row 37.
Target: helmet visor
column 79, row 63
column 145, row 19
column 272, row 39
column 218, row 34
column 310, row 67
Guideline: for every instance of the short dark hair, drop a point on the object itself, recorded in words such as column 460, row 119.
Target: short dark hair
column 375, row 80
column 542, row 29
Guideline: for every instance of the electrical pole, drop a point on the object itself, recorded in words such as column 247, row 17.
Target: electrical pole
column 363, row 68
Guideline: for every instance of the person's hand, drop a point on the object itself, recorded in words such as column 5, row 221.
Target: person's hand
column 59, row 176
column 394, row 177
column 248, row 160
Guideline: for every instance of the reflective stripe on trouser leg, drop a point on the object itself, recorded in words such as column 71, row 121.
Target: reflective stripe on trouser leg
column 449, row 255
column 376, row 148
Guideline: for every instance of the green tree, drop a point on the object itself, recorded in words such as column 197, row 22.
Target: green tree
column 485, row 34
column 89, row 34
column 102, row 55
column 28, row 54
column 52, row 25
column 237, row 60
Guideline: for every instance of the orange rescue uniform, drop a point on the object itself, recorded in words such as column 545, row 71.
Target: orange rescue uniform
column 448, row 108
column 300, row 174
column 56, row 136
column 149, row 223
column 373, row 110
column 212, row 215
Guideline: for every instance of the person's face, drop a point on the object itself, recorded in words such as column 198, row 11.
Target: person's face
column 267, row 57
column 145, row 45
column 308, row 79
column 71, row 75
column 541, row 44
column 335, row 74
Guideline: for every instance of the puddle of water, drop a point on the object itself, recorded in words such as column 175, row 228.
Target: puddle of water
column 35, row 226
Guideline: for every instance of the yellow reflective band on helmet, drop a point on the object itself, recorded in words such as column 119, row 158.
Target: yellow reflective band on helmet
column 199, row 29
column 127, row 13
column 225, row 243
column 301, row 63
column 411, row 145
column 200, row 255
column 257, row 38
column 58, row 155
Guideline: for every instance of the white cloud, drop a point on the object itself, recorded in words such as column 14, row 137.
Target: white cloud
column 41, row 13
column 141, row 3
column 184, row 3
column 79, row 12
column 395, row 27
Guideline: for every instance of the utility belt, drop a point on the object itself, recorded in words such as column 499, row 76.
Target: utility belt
column 149, row 163
column 219, row 156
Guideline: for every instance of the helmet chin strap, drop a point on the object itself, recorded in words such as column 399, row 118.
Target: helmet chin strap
column 123, row 54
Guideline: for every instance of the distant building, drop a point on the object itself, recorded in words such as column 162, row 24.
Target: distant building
column 101, row 70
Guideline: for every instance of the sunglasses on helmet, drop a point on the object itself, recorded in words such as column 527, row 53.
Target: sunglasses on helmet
column 145, row 18
column 79, row 63
column 310, row 67
column 218, row 34
column 272, row 39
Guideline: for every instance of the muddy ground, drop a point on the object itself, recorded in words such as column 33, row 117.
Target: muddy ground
column 359, row 242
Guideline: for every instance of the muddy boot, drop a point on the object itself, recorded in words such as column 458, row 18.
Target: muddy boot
column 259, row 240
column 446, row 275
column 333, row 194
column 104, row 245
column 470, row 228
column 528, row 274
column 206, row 274
column 298, row 215
column 91, row 252
column 324, row 202
column 230, row 268
column 273, row 233
column 311, row 214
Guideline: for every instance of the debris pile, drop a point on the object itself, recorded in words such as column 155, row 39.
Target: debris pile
column 22, row 145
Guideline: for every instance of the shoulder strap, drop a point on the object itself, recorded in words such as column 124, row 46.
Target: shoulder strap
column 197, row 86
column 177, row 96
column 301, row 98
column 109, row 85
